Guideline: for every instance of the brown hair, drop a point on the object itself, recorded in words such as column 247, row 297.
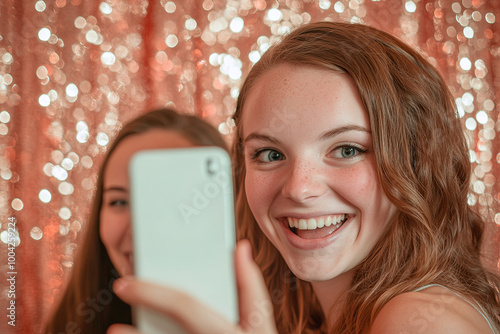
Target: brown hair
column 89, row 303
column 422, row 164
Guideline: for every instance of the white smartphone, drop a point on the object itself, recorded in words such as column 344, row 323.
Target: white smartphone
column 183, row 228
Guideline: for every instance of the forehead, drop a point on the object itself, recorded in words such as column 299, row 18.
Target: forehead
column 293, row 94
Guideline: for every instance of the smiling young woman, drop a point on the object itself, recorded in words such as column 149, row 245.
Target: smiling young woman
column 320, row 168
column 343, row 120
column 352, row 175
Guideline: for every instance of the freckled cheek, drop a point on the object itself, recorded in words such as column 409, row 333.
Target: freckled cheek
column 260, row 187
column 359, row 181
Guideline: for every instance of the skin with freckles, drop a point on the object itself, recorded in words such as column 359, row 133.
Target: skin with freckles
column 115, row 228
column 319, row 164
column 309, row 168
column 378, row 150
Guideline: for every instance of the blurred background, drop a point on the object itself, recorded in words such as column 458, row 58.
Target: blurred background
column 73, row 71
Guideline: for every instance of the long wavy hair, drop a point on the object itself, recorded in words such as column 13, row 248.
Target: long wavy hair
column 422, row 164
column 89, row 304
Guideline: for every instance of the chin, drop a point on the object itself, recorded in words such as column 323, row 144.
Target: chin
column 311, row 269
column 312, row 272
column 312, row 277
column 315, row 277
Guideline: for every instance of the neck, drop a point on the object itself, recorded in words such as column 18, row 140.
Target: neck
column 332, row 296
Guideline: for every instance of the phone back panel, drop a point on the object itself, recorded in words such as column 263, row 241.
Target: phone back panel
column 183, row 226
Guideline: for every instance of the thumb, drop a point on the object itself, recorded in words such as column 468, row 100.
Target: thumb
column 256, row 308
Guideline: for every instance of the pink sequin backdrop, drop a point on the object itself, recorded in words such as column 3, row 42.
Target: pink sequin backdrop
column 72, row 71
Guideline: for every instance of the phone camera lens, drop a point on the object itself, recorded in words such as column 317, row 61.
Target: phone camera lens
column 212, row 166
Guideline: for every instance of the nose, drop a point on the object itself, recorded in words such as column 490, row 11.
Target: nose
column 304, row 182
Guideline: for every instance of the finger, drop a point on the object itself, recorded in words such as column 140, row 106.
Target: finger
column 122, row 329
column 256, row 309
column 188, row 312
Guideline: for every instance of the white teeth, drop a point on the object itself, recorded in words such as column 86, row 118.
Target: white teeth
column 302, row 224
column 328, row 221
column 312, row 223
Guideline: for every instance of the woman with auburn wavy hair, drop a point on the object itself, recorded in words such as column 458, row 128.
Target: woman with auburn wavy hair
column 89, row 304
column 352, row 175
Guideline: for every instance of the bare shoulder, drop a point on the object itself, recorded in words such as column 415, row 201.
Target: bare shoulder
column 433, row 310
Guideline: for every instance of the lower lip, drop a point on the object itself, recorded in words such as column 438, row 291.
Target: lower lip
column 312, row 244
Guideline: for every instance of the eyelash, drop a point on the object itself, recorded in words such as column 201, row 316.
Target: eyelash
column 358, row 149
column 118, row 203
column 255, row 156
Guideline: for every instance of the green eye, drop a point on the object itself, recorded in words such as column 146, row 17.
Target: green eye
column 349, row 152
column 268, row 155
column 273, row 156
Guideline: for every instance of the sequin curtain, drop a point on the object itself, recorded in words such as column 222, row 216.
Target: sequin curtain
column 72, row 71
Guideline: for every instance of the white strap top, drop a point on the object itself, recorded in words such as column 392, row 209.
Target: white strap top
column 476, row 306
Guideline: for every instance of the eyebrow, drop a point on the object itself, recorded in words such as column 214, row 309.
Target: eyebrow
column 324, row 136
column 337, row 131
column 258, row 136
column 115, row 188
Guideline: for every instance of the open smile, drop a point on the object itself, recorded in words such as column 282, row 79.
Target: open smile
column 316, row 223
column 318, row 229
